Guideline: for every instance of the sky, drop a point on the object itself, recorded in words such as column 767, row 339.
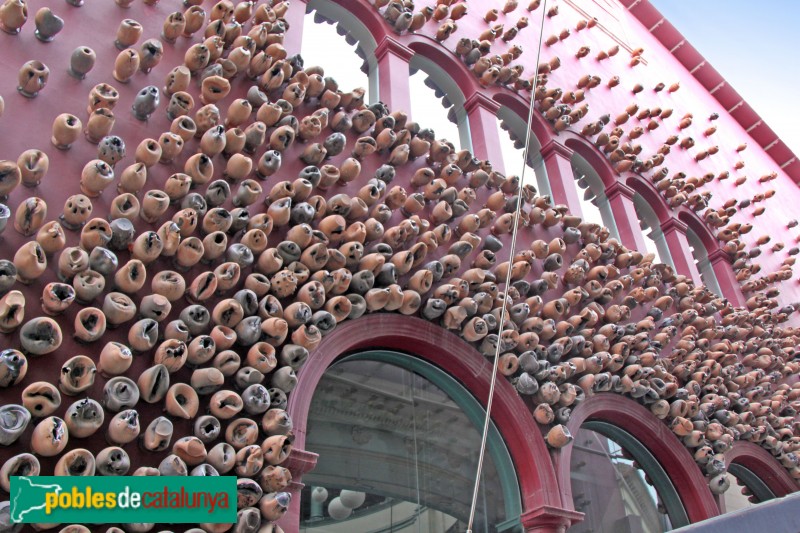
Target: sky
column 754, row 45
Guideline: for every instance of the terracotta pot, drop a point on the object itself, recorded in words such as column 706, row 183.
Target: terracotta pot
column 111, row 149
column 128, row 34
column 146, row 102
column 84, row 418
column 76, row 462
column 115, row 359
column 99, row 125
column 66, row 129
column 48, row 24
column 30, row 262
column 13, row 15
column 30, row 216
column 32, row 78
column 150, row 55
column 174, row 25
column 177, row 80
column 12, row 313
column 50, row 437
column 40, row 398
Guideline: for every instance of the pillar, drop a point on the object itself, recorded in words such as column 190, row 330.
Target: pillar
column 726, row 278
column 557, row 160
column 620, row 200
column 679, row 250
column 299, row 462
column 293, row 39
column 482, row 116
column 393, row 87
column 549, row 519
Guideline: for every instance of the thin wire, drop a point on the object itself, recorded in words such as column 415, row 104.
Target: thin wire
column 482, row 454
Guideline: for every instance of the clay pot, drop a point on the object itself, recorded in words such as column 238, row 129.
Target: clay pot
column 118, row 309
column 115, row 359
column 128, row 34
column 30, row 216
column 50, row 437
column 112, row 461
column 177, row 80
column 13, row 15
column 181, row 104
column 32, row 78
column 81, row 62
column 41, row 398
column 146, row 102
column 150, row 55
column 76, row 462
column 173, row 27
column 48, row 24
column 23, row 464
column 13, row 367
column 99, row 125
column 111, row 149
column 30, row 262
column 90, row 325
column 123, row 428
column 10, row 177
column 56, row 297
column 558, row 436
column 66, row 129
column 12, row 313
column 77, row 375
column 84, row 418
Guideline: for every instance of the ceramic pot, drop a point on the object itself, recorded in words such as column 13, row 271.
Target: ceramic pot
column 177, row 80
column 12, row 313
column 48, row 24
column 66, row 130
column 13, row 15
column 81, row 62
column 99, row 125
column 76, row 462
column 150, row 55
column 30, row 216
column 111, row 149
column 146, row 102
column 95, row 177
column 128, row 34
column 32, row 78
column 115, row 359
column 84, row 418
column 126, row 65
column 173, row 27
column 77, row 210
column 30, row 262
column 77, row 375
column 88, row 285
column 50, row 437
column 41, row 398
column 102, row 96
column 10, row 177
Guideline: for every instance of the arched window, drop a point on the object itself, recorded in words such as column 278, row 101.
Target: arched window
column 511, row 130
column 336, row 40
column 383, row 423
column 651, row 230
column 746, row 489
column 619, row 485
column 700, row 255
column 593, row 201
column 428, row 84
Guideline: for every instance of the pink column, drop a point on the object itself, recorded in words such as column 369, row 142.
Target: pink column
column 620, row 198
column 549, row 519
column 482, row 114
column 675, row 234
column 293, row 39
column 559, row 173
column 299, row 462
column 723, row 270
column 393, row 59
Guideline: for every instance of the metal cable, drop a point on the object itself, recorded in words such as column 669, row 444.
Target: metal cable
column 517, row 210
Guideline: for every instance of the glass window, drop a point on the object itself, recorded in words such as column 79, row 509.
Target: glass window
column 328, row 44
column 700, row 256
column 612, row 490
column 396, row 453
column 591, row 194
column 511, row 132
column 429, row 109
column 746, row 489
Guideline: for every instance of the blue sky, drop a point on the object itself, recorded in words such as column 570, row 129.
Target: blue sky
column 755, row 46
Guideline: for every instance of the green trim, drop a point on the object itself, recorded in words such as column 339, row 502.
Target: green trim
column 653, row 469
column 756, row 485
column 474, row 412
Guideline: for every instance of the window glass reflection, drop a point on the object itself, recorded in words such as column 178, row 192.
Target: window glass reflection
column 396, row 454
column 326, row 43
column 613, row 493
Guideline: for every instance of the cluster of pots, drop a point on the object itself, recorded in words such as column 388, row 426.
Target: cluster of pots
column 225, row 281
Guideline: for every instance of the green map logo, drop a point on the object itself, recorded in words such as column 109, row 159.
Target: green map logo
column 123, row 500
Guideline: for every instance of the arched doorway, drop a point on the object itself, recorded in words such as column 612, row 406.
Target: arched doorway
column 398, row 442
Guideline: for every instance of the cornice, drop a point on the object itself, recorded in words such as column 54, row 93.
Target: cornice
column 389, row 44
